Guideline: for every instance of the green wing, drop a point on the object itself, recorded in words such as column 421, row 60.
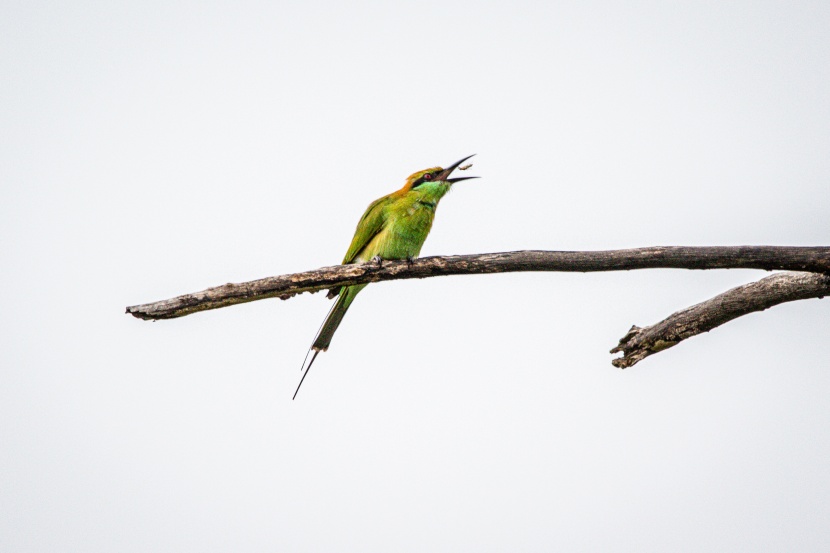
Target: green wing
column 370, row 224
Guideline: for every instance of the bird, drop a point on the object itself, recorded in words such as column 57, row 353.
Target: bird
column 393, row 227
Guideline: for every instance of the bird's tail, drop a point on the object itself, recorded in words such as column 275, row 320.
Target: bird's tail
column 335, row 316
column 327, row 330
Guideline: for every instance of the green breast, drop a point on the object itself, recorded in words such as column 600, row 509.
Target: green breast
column 409, row 221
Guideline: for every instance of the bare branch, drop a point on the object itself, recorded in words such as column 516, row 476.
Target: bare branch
column 815, row 259
column 639, row 343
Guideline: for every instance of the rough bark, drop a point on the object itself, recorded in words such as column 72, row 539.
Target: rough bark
column 639, row 343
column 814, row 259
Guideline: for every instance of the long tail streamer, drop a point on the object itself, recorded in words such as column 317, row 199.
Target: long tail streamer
column 305, row 374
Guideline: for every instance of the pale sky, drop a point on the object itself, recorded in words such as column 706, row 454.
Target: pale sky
column 149, row 149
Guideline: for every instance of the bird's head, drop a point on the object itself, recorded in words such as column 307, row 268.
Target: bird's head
column 435, row 174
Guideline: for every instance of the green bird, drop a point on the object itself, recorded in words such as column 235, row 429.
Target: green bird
column 393, row 227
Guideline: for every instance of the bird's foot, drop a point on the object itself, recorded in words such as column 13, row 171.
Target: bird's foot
column 409, row 261
column 377, row 259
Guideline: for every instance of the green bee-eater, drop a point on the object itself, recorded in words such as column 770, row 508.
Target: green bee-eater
column 393, row 227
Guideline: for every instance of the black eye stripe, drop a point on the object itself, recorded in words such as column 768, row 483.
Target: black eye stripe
column 426, row 177
column 421, row 181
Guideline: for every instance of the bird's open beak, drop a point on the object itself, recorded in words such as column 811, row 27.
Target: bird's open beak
column 444, row 175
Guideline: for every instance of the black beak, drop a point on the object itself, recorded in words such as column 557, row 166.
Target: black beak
column 443, row 176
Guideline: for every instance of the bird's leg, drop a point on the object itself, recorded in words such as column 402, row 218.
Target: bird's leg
column 409, row 261
column 377, row 259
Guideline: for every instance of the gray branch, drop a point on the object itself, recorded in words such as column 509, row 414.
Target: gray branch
column 813, row 259
column 639, row 343
column 636, row 345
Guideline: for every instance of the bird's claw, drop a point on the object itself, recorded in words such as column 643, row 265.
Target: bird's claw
column 377, row 259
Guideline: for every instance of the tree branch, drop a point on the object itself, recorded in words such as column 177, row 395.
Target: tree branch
column 814, row 259
column 639, row 343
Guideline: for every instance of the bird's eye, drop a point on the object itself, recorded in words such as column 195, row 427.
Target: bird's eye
column 427, row 177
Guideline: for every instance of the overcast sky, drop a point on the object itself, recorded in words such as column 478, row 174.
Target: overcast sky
column 149, row 149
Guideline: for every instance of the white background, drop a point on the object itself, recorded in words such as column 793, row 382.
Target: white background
column 149, row 149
